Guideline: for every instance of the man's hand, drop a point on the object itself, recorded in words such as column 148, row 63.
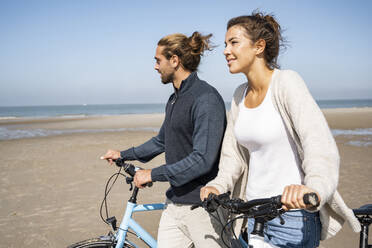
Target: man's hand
column 111, row 155
column 292, row 197
column 205, row 191
column 142, row 177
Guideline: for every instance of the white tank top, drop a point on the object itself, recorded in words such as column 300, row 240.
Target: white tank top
column 273, row 160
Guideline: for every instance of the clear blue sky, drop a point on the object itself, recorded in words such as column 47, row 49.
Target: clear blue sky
column 99, row 52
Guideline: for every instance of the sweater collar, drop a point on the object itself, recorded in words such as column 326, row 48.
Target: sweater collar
column 187, row 83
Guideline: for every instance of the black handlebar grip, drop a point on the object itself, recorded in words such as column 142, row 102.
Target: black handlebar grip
column 311, row 199
column 120, row 162
column 149, row 184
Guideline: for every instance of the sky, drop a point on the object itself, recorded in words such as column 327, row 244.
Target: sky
column 102, row 52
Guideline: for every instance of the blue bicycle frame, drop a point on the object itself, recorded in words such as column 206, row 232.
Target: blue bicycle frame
column 129, row 223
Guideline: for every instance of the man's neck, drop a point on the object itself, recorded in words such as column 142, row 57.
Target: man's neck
column 179, row 76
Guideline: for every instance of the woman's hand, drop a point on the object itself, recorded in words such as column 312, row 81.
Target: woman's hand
column 205, row 191
column 292, row 197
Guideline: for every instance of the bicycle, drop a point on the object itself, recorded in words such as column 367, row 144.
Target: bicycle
column 118, row 236
column 265, row 209
column 364, row 215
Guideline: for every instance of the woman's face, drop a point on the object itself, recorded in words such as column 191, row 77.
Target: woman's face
column 240, row 51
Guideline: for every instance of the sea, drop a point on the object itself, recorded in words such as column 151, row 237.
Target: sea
column 68, row 111
column 87, row 110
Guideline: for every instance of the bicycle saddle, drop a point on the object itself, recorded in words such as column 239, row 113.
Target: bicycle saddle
column 363, row 210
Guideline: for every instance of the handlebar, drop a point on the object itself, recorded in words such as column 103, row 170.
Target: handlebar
column 130, row 169
column 256, row 208
column 262, row 210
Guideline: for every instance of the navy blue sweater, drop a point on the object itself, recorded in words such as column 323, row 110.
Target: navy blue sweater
column 191, row 137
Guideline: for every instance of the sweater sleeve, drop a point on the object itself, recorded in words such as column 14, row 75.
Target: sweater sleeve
column 146, row 151
column 209, row 118
column 320, row 158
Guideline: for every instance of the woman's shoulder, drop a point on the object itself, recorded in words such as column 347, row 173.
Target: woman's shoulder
column 288, row 76
column 239, row 91
column 289, row 80
column 240, row 88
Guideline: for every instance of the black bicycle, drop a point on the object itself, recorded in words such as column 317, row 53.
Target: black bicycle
column 263, row 210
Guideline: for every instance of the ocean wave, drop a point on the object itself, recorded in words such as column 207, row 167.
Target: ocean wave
column 359, row 143
column 11, row 134
column 72, row 116
column 7, row 117
column 361, row 137
column 347, row 132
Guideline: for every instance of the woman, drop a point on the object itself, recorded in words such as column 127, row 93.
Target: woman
column 277, row 130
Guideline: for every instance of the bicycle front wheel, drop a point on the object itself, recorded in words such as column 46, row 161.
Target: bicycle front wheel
column 97, row 243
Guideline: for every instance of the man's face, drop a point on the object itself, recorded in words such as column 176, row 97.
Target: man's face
column 163, row 66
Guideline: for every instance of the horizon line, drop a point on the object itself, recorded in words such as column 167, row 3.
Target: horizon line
column 162, row 103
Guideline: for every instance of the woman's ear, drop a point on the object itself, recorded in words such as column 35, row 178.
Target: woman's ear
column 260, row 46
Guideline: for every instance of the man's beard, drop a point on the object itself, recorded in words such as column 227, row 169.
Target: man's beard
column 167, row 78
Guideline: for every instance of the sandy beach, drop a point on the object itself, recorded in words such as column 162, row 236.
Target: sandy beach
column 51, row 187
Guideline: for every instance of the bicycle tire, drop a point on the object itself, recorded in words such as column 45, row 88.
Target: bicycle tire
column 97, row 243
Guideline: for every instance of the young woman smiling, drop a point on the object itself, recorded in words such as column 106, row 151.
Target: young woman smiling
column 277, row 140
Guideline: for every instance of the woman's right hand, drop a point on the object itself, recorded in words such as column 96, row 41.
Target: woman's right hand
column 205, row 191
column 111, row 155
column 293, row 195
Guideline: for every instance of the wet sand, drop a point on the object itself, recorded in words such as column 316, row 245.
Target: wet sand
column 51, row 187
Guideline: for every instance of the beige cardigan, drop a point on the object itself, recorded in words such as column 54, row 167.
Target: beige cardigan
column 316, row 148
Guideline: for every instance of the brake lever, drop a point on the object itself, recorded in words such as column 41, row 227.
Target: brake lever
column 129, row 181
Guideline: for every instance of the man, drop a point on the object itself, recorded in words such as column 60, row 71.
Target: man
column 191, row 137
